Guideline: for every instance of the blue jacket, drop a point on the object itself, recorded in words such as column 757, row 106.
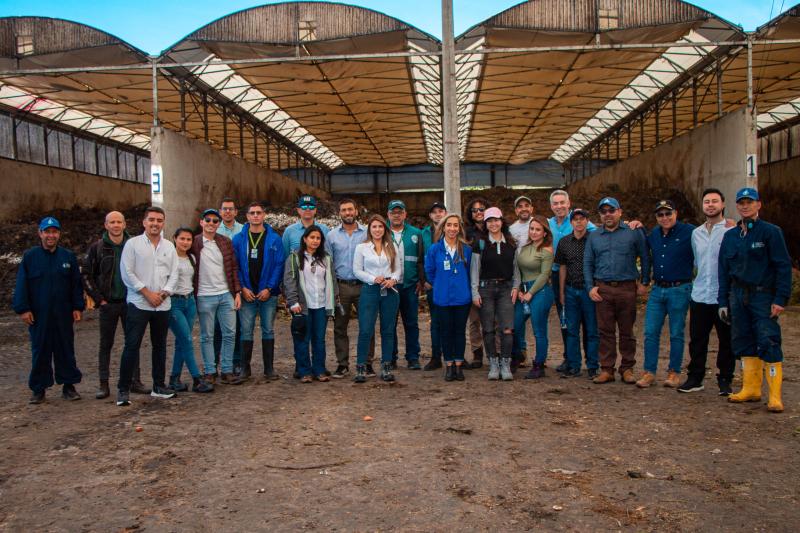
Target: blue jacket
column 450, row 286
column 757, row 260
column 48, row 283
column 274, row 258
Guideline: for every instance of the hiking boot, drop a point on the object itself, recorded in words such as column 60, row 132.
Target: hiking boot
column 647, row 379
column 459, row 372
column 414, row 365
column 102, row 391
column 494, row 368
column 604, row 377
column 68, row 392
column 505, row 369
column 724, row 385
column 36, row 398
column 628, row 377
column 340, row 372
column 673, row 379
column 123, row 398
column 450, row 372
column 386, row 372
column 536, row 371
column 477, row 359
column 202, row 386
column 361, row 374
column 692, row 384
column 369, row 371
column 176, row 385
column 230, row 379
column 434, row 364
column 159, row 391
column 137, row 387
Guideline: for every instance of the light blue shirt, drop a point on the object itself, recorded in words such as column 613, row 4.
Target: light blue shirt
column 562, row 230
column 342, row 248
column 293, row 234
column 225, row 231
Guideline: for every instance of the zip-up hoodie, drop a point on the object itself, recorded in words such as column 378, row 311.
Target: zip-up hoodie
column 100, row 270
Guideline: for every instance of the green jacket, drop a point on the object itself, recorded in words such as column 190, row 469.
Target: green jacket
column 413, row 255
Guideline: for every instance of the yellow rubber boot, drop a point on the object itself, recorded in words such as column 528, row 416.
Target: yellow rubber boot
column 774, row 379
column 752, row 374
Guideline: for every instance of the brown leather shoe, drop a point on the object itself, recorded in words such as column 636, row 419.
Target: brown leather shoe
column 628, row 377
column 604, row 377
column 230, row 379
column 646, row 380
column 210, row 378
column 673, row 380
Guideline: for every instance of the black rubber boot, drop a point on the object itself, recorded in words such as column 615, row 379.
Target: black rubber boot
column 268, row 355
column 247, row 357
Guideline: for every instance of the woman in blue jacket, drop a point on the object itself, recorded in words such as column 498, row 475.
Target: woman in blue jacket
column 447, row 266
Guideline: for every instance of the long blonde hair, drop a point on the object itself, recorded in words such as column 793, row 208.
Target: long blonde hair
column 386, row 241
column 461, row 238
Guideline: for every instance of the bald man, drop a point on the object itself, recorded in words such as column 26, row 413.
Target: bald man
column 103, row 284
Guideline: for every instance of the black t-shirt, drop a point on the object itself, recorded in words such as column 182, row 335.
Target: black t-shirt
column 256, row 261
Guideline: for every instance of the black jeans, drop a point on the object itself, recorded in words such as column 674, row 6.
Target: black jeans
column 135, row 324
column 110, row 314
column 702, row 318
column 452, row 321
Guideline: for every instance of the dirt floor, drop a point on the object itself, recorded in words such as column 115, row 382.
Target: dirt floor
column 554, row 454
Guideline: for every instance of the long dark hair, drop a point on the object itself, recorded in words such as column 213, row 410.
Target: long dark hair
column 319, row 254
column 469, row 221
column 548, row 234
column 386, row 240
column 189, row 253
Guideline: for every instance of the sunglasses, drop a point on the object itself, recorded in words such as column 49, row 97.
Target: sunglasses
column 210, row 220
column 664, row 214
column 308, row 207
column 608, row 211
column 478, row 209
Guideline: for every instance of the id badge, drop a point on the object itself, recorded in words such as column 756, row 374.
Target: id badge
column 254, row 253
column 447, row 264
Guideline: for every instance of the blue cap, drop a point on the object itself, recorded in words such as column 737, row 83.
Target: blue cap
column 307, row 201
column 397, row 204
column 210, row 211
column 579, row 212
column 608, row 201
column 747, row 192
column 49, row 222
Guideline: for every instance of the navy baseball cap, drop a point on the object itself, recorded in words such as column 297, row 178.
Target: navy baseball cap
column 397, row 204
column 210, row 211
column 49, row 222
column 307, row 201
column 664, row 204
column 436, row 205
column 747, row 192
column 608, row 201
column 578, row 211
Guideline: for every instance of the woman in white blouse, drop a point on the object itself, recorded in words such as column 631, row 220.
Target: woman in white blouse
column 377, row 265
column 311, row 293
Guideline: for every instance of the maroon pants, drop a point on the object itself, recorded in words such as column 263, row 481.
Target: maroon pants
column 617, row 310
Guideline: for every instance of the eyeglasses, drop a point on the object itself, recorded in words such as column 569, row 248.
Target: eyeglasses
column 608, row 211
column 209, row 220
column 478, row 209
column 228, row 209
column 664, row 214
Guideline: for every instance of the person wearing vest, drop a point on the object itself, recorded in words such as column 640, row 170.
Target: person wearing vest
column 408, row 240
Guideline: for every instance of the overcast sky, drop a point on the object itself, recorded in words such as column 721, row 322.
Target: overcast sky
column 154, row 25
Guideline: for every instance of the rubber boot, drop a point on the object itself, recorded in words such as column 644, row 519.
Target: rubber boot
column 494, row 368
column 103, row 391
column 752, row 373
column 774, row 373
column 505, row 369
column 477, row 359
column 268, row 355
column 247, row 357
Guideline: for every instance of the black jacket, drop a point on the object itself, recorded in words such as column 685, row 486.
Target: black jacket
column 97, row 269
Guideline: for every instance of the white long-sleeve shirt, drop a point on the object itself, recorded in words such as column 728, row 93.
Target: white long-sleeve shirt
column 368, row 265
column 154, row 267
column 706, row 247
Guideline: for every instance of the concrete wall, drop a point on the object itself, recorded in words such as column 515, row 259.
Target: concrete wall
column 195, row 176
column 780, row 195
column 712, row 155
column 28, row 187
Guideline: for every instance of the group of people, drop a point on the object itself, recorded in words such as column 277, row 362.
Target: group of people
column 484, row 279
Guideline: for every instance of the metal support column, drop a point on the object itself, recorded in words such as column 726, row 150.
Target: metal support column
column 155, row 91
column 452, row 172
column 719, row 89
column 657, row 113
column 694, row 102
column 205, row 117
column 750, row 99
column 241, row 137
column 641, row 133
column 225, row 128
column 255, row 145
column 675, row 113
column 183, row 107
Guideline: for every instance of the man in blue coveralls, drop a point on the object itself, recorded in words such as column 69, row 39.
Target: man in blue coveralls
column 49, row 298
column 755, row 281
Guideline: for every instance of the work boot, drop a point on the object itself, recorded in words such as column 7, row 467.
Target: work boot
column 230, row 379
column 494, row 368
column 247, row 357
column 450, row 372
column 200, row 385
column 361, row 374
column 774, row 373
column 434, row 364
column 137, row 387
column 628, row 377
column 505, row 369
column 386, row 371
column 102, row 391
column 604, row 377
column 647, row 379
column 673, row 379
column 459, row 372
column 68, row 392
column 36, row 398
column 477, row 359
column 752, row 374
column 268, row 356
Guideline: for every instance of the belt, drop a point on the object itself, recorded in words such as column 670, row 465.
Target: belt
column 350, row 281
column 614, row 283
column 183, row 296
column 496, row 280
column 754, row 288
column 669, row 284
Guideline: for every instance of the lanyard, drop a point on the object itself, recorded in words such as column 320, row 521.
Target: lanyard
column 250, row 236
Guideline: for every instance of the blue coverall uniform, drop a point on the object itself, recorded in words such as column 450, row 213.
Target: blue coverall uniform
column 755, row 271
column 49, row 286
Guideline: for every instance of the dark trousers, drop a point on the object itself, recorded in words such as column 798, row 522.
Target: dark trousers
column 237, row 343
column 409, row 313
column 110, row 314
column 52, row 344
column 348, row 297
column 436, row 337
column 309, row 350
column 497, row 313
column 136, row 322
column 555, row 281
column 452, row 327
column 702, row 319
column 754, row 333
column 617, row 310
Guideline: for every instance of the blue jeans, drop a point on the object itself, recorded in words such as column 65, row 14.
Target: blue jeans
column 409, row 312
column 219, row 307
column 436, row 338
column 181, row 321
column 370, row 305
column 247, row 318
column 580, row 311
column 520, row 344
column 663, row 302
column 753, row 332
column 316, row 324
column 453, row 328
column 540, row 306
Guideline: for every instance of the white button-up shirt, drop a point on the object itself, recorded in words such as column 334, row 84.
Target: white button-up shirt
column 706, row 247
column 314, row 281
column 368, row 265
column 143, row 265
column 185, row 285
column 211, row 280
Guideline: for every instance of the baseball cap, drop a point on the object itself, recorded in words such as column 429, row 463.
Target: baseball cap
column 493, row 212
column 306, row 201
column 664, row 204
column 608, row 201
column 397, row 204
column 578, row 211
column 520, row 198
column 210, row 211
column 49, row 222
column 747, row 192
column 436, row 205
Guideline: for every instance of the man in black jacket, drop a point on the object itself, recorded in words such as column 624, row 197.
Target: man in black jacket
column 102, row 282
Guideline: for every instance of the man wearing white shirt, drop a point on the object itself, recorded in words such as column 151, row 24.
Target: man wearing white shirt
column 149, row 270
column 706, row 242
column 523, row 207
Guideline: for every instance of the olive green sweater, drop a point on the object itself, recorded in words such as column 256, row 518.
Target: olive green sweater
column 535, row 265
